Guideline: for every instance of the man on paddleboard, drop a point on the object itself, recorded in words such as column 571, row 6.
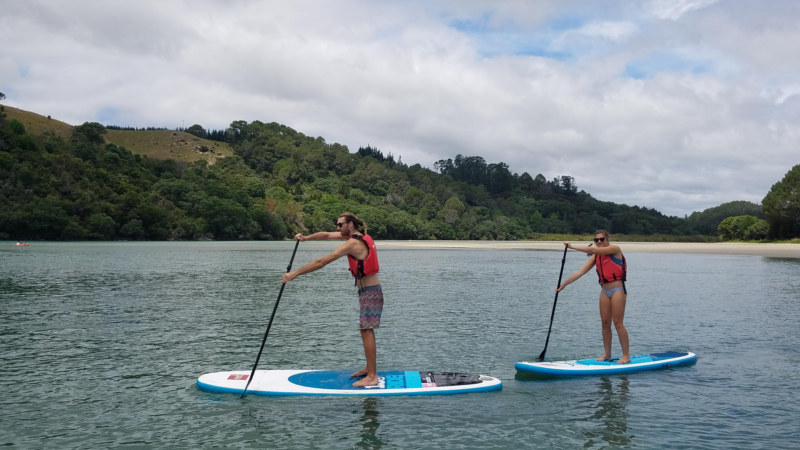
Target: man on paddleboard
column 363, row 259
column 612, row 269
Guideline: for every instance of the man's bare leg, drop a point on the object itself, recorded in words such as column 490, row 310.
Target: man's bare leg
column 370, row 373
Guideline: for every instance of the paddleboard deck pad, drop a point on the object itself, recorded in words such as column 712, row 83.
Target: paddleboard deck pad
column 339, row 382
column 650, row 361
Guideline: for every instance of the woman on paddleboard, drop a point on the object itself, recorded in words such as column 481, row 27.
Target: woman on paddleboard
column 363, row 259
column 609, row 262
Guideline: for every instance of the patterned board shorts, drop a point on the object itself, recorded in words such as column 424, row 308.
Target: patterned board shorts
column 370, row 300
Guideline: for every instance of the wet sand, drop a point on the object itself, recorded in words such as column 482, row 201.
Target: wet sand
column 724, row 248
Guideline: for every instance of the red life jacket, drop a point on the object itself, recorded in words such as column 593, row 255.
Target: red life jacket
column 367, row 266
column 610, row 270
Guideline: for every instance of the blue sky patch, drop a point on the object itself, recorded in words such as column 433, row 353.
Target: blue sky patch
column 109, row 116
column 492, row 41
column 659, row 62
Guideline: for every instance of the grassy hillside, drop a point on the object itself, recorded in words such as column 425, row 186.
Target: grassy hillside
column 37, row 124
column 168, row 144
column 157, row 144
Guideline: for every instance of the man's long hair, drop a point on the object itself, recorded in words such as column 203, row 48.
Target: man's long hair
column 361, row 227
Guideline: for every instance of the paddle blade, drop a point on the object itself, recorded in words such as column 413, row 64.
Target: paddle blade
column 541, row 356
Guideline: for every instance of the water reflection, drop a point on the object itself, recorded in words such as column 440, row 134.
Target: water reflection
column 369, row 424
column 613, row 394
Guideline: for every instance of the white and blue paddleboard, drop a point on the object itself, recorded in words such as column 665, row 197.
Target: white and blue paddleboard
column 650, row 361
column 339, row 382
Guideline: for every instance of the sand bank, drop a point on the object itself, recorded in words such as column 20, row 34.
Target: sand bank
column 725, row 248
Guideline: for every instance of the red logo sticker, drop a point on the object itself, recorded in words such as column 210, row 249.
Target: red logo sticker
column 238, row 377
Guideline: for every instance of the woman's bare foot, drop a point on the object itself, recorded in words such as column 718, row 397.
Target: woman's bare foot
column 624, row 360
column 366, row 381
column 605, row 357
column 360, row 373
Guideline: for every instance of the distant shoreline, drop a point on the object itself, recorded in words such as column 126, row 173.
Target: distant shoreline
column 720, row 248
column 782, row 250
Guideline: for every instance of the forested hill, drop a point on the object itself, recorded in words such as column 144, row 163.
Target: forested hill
column 77, row 184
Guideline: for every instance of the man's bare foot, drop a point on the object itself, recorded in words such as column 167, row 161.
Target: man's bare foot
column 367, row 381
column 604, row 358
column 624, row 360
column 360, row 373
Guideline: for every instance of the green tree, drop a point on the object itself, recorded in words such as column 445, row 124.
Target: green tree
column 707, row 221
column 255, row 187
column 732, row 228
column 227, row 219
column 133, row 229
column 42, row 218
column 452, row 210
column 101, row 226
column 401, row 225
column 91, row 132
column 271, row 225
column 155, row 221
column 757, row 231
column 782, row 206
column 17, row 128
column 727, row 229
column 197, row 130
column 413, row 197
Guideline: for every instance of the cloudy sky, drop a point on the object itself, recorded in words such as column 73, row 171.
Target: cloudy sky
column 677, row 105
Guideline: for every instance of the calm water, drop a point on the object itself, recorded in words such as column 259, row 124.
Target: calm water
column 101, row 344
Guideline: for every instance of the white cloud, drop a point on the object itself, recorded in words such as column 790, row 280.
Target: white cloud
column 610, row 31
column 546, row 87
column 675, row 9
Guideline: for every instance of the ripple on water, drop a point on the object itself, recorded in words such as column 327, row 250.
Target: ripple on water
column 101, row 345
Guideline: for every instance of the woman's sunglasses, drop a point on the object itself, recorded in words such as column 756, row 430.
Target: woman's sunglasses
column 599, row 239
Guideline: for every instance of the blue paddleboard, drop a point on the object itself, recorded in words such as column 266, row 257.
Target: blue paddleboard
column 650, row 361
column 339, row 382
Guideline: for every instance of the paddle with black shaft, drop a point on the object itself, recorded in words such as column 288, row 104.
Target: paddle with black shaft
column 269, row 325
column 553, row 313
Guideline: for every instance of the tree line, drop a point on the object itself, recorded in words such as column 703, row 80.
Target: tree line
column 281, row 181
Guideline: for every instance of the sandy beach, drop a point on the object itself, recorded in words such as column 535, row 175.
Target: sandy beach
column 726, row 248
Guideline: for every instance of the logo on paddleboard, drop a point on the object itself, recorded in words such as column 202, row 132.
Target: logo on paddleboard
column 381, row 384
column 239, row 376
